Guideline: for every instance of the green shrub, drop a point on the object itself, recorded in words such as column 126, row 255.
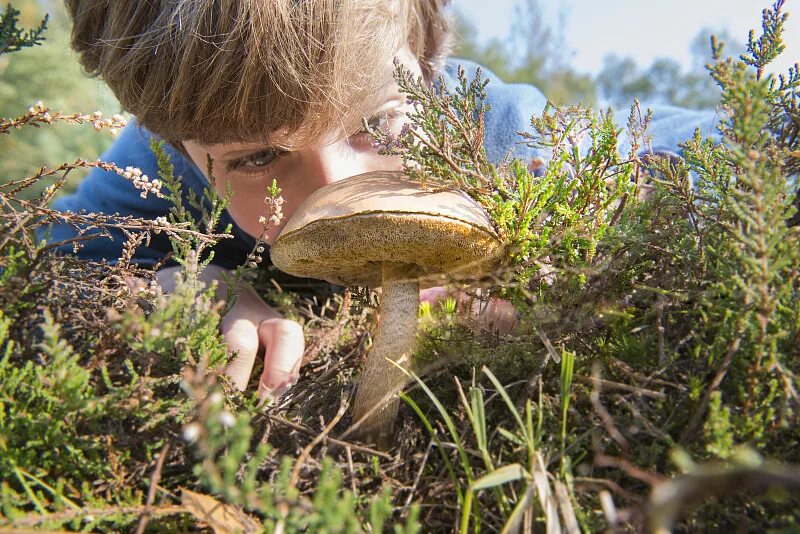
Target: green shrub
column 651, row 331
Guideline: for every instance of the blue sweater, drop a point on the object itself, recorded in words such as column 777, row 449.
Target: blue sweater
column 512, row 106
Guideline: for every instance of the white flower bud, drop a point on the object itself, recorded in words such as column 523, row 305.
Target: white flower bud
column 191, row 432
column 226, row 419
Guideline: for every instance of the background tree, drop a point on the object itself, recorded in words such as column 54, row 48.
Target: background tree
column 534, row 52
column 49, row 73
column 665, row 81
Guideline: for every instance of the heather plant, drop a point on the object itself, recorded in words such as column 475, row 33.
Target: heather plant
column 653, row 369
column 13, row 38
column 48, row 72
column 693, row 290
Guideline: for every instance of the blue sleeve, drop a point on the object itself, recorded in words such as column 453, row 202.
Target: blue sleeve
column 513, row 105
column 107, row 192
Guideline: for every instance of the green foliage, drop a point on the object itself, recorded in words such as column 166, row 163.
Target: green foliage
column 658, row 312
column 718, row 434
column 561, row 216
column 51, row 74
column 769, row 45
column 34, row 442
column 12, row 38
column 667, row 272
column 130, row 382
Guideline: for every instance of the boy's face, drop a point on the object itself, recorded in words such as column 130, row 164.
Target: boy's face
column 250, row 167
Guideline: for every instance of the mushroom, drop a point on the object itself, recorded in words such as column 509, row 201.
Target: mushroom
column 382, row 229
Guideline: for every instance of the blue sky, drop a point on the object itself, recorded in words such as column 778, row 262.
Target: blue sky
column 641, row 29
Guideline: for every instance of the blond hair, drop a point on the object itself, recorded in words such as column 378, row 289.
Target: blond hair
column 239, row 70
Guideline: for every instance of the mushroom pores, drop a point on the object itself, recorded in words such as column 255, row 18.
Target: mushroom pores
column 344, row 232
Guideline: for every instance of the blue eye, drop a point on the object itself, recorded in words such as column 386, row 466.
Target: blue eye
column 378, row 122
column 382, row 120
column 257, row 160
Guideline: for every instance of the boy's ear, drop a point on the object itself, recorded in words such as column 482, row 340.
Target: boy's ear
column 444, row 49
column 436, row 36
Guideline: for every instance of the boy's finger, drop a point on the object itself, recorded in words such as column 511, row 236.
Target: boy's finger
column 284, row 344
column 241, row 336
column 497, row 314
column 432, row 294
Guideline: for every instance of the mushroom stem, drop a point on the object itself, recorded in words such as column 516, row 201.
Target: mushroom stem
column 395, row 340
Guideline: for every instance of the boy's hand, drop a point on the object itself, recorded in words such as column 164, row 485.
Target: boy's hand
column 250, row 326
column 497, row 315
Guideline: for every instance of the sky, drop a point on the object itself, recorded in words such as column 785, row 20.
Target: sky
column 643, row 30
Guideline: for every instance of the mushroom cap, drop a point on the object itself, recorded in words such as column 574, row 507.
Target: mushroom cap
column 344, row 232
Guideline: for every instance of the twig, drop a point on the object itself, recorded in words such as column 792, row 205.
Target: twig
column 654, row 431
column 718, row 378
column 677, row 497
column 551, row 351
column 624, row 387
column 31, row 520
column 39, row 115
column 651, row 478
column 283, row 507
column 628, row 370
column 328, row 439
column 151, row 492
column 608, row 421
column 417, row 478
column 610, row 484
column 322, row 342
column 352, row 471
column 343, row 403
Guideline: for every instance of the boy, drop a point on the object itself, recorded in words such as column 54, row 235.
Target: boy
column 271, row 89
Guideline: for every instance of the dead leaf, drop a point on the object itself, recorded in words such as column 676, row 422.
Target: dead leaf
column 222, row 518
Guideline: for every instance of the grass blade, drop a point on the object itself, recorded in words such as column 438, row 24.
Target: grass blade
column 501, row 475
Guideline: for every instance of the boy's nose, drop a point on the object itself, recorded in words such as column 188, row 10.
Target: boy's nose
column 337, row 161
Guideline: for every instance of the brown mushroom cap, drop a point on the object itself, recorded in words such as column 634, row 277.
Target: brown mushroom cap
column 343, row 232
